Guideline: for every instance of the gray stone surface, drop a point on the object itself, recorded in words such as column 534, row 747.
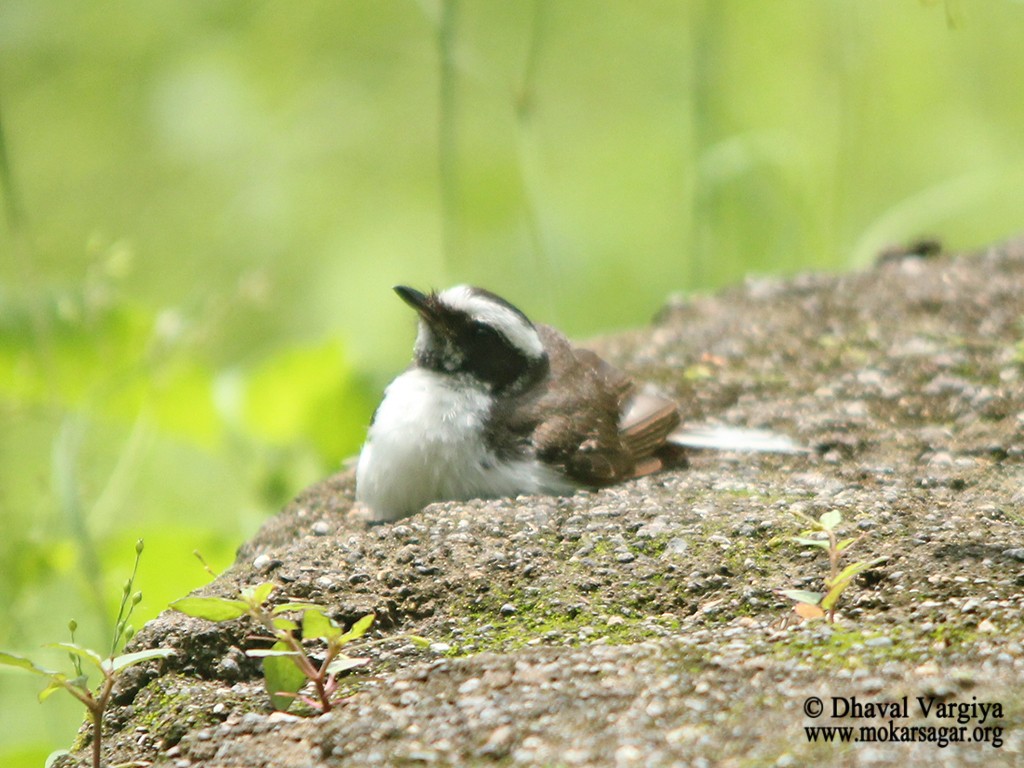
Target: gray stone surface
column 640, row 625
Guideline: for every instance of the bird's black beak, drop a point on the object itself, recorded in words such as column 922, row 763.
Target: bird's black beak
column 417, row 300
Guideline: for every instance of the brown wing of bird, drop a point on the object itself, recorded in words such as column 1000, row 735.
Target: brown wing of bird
column 596, row 426
column 647, row 420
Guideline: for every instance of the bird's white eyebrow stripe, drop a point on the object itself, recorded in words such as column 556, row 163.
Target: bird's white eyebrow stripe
column 507, row 321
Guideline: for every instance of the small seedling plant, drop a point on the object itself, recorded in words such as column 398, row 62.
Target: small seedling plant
column 86, row 661
column 288, row 665
column 815, row 605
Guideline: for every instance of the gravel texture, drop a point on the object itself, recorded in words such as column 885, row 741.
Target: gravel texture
column 641, row 625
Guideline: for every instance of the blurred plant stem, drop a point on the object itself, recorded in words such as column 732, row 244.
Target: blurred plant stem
column 529, row 165
column 12, row 201
column 65, row 461
column 21, row 248
column 66, row 445
column 451, row 234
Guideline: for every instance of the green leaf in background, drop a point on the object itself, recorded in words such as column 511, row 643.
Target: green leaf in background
column 282, row 676
column 85, row 345
column 180, row 402
column 102, row 357
column 306, row 393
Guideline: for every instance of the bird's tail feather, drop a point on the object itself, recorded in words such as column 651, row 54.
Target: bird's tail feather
column 720, row 437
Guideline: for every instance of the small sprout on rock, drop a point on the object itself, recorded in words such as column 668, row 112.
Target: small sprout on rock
column 202, row 560
column 815, row 605
column 109, row 668
column 287, row 664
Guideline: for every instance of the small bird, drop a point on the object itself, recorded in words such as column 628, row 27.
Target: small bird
column 495, row 405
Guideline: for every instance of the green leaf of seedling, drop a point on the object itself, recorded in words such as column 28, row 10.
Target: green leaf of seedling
column 211, row 608
column 13, row 660
column 343, row 663
column 81, row 682
column 823, row 543
column 77, row 687
column 843, row 579
column 360, row 627
column 828, row 602
column 846, row 543
column 807, row 519
column 49, row 690
column 698, row 372
column 358, row 630
column 850, row 571
column 318, row 624
column 285, row 625
column 86, row 653
column 257, row 595
column 802, row 595
column 130, row 659
column 418, row 640
column 830, row 520
column 296, row 607
column 282, row 677
column 266, row 653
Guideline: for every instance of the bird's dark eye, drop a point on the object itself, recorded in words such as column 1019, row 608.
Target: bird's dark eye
column 490, row 356
column 483, row 332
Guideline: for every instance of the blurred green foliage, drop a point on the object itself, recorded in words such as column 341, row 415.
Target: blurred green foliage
column 207, row 203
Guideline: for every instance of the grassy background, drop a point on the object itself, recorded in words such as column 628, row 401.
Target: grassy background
column 207, row 203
